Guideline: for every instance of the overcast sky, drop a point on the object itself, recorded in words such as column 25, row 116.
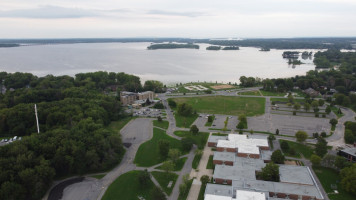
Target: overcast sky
column 176, row 18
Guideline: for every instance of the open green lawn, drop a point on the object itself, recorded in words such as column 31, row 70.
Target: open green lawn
column 286, row 100
column 164, row 178
column 210, row 164
column 201, row 192
column 148, row 153
column 226, row 105
column 200, row 139
column 185, row 122
column 162, row 124
column 127, row 187
column 178, row 166
column 271, row 93
column 335, row 110
column 98, row 176
column 118, row 125
column 196, row 161
column 251, row 93
column 328, row 176
column 299, row 148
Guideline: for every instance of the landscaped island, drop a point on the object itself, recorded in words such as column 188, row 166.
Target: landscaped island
column 172, row 46
column 213, row 48
column 231, row 48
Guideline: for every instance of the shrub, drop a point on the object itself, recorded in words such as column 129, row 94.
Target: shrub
column 284, row 146
column 294, row 113
column 277, row 157
column 323, row 134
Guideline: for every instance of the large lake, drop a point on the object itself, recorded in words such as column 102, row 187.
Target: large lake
column 168, row 66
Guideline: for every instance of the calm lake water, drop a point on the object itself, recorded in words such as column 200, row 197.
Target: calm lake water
column 168, row 66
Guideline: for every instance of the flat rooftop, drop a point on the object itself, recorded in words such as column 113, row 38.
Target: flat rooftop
column 219, row 190
column 215, row 138
column 249, row 195
column 244, row 143
column 225, row 156
column 295, row 174
column 278, row 187
column 233, row 173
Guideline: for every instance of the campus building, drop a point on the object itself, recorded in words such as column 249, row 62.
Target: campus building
column 237, row 161
column 129, row 98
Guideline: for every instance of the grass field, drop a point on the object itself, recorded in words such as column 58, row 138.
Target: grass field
column 178, row 166
column 196, row 161
column 201, row 192
column 220, row 134
column 226, row 105
column 299, row 148
column 335, row 110
column 164, row 178
column 329, row 176
column 127, row 187
column 118, row 125
column 286, row 100
column 185, row 122
column 210, row 164
column 148, row 153
column 162, row 124
column 251, row 93
column 200, row 139
column 271, row 93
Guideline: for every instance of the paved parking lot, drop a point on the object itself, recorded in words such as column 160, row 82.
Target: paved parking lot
column 147, row 112
column 288, row 124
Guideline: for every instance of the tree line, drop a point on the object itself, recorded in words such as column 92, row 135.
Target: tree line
column 74, row 139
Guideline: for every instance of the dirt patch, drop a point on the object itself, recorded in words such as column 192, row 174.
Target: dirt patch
column 290, row 162
column 218, row 87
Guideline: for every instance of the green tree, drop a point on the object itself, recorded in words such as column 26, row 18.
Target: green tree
column 306, row 107
column 185, row 109
column 284, row 146
column 163, row 146
column 341, row 162
column 277, row 131
column 240, row 125
column 187, row 143
column 328, row 110
column 167, row 166
column 210, row 118
column 174, row 155
column 270, row 172
column 152, row 85
column 333, row 122
column 194, row 129
column 278, row 157
column 205, row 179
column 157, row 194
column 144, row 178
column 159, row 118
column 172, row 103
column 315, row 160
column 297, row 106
column 348, row 179
column 321, row 147
column 301, row 136
column 349, row 137
column 321, row 102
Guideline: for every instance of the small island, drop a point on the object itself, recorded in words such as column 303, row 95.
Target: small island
column 172, row 46
column 294, row 62
column 216, row 48
column 8, row 45
column 265, row 49
column 290, row 54
column 231, row 48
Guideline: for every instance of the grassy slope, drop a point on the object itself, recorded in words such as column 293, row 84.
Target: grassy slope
column 269, row 93
column 251, row 93
column 226, row 105
column 329, row 176
column 179, row 165
column 118, row 125
column 148, row 153
column 163, row 124
column 164, row 178
column 200, row 139
column 299, row 149
column 127, row 187
column 185, row 122
column 183, row 196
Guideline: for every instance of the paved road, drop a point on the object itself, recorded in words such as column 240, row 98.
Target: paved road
column 337, row 139
column 136, row 132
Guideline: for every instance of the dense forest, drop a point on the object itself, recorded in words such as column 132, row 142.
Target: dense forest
column 73, row 117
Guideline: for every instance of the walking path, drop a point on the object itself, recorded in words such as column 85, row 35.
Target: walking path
column 201, row 171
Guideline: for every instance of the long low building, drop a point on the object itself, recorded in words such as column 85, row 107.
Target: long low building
column 234, row 173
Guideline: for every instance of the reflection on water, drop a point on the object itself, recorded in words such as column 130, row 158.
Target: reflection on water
column 169, row 66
